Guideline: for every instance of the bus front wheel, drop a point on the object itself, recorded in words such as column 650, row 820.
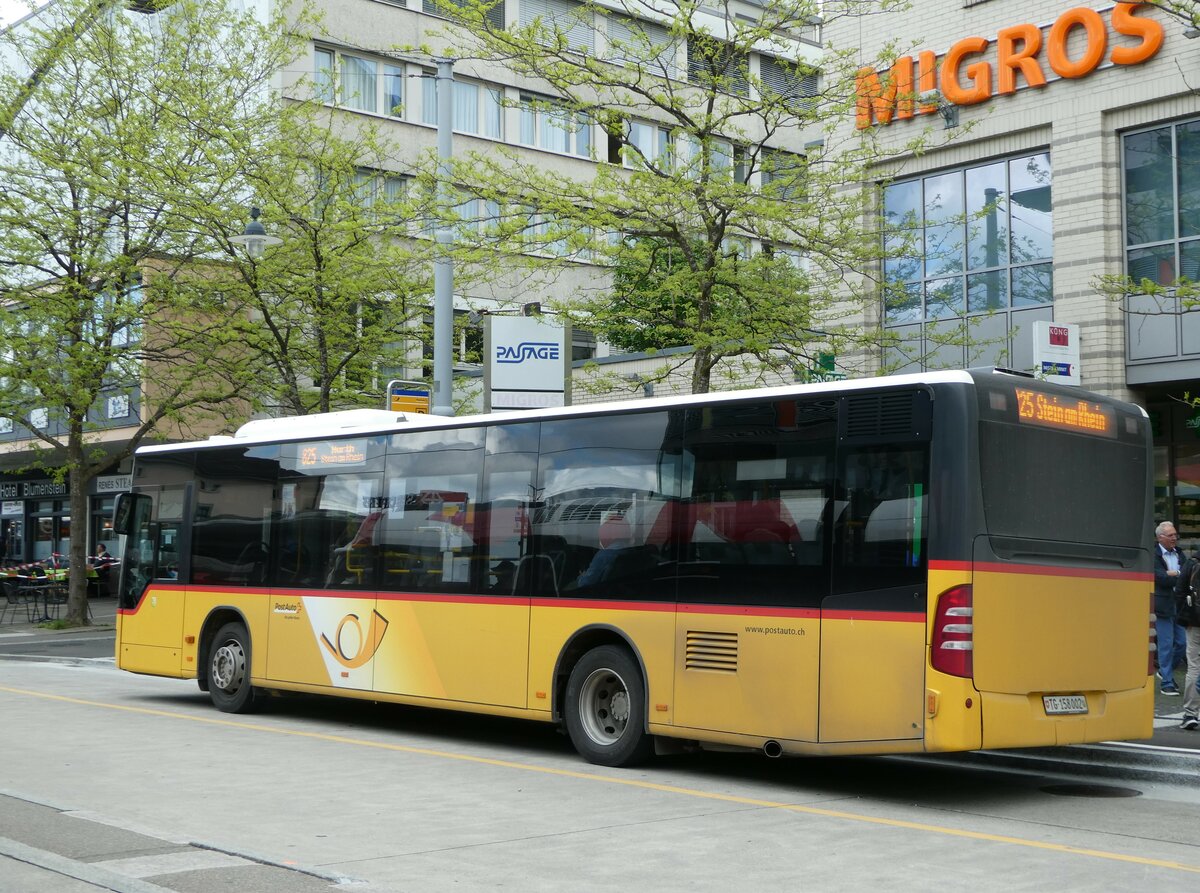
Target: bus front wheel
column 605, row 708
column 229, row 670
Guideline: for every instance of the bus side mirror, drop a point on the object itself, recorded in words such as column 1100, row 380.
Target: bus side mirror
column 126, row 510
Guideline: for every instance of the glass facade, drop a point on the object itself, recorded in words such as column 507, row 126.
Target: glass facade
column 969, row 263
column 1161, row 179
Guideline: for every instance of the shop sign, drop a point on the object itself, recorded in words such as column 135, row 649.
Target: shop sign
column 528, row 363
column 114, row 483
column 964, row 75
column 39, row 489
column 1056, row 351
column 12, row 507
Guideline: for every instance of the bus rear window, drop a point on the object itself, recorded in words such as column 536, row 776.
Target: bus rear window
column 1051, row 484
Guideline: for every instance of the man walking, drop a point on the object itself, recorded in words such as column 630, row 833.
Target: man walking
column 1187, row 606
column 1171, row 641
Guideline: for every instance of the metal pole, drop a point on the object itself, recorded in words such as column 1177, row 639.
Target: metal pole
column 443, row 270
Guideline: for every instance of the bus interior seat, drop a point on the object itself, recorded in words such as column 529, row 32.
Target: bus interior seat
column 540, row 570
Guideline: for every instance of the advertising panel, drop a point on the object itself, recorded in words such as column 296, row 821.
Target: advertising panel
column 528, row 363
column 1056, row 352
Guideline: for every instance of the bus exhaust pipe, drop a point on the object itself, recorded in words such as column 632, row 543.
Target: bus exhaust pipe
column 773, row 749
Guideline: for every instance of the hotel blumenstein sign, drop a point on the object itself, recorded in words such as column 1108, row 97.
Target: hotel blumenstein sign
column 975, row 69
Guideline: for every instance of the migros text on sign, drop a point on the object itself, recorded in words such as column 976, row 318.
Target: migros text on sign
column 970, row 72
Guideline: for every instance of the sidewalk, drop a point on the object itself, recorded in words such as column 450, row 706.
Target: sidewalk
column 1168, row 714
column 104, row 616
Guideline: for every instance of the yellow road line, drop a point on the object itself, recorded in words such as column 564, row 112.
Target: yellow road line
column 628, row 782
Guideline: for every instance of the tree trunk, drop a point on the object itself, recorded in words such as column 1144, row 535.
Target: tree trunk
column 77, row 607
column 702, row 364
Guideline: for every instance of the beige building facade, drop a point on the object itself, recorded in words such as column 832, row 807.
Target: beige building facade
column 1069, row 151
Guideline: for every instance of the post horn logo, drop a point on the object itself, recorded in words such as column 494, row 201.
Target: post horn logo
column 365, row 646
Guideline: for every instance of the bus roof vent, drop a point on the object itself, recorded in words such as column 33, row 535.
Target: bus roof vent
column 886, row 415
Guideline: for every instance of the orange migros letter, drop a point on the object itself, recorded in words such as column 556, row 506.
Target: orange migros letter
column 1097, row 41
column 979, row 73
column 1150, row 31
column 876, row 102
column 1010, row 60
column 902, row 76
column 927, row 61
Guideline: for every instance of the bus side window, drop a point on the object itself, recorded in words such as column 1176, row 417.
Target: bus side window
column 882, row 530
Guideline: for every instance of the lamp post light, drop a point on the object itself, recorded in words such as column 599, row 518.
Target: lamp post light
column 255, row 238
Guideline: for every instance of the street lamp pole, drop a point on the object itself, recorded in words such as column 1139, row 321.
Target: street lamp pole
column 443, row 270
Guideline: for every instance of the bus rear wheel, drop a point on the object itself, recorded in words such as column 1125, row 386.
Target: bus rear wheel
column 605, row 708
column 229, row 670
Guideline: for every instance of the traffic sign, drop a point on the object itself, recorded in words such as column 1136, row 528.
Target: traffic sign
column 408, row 396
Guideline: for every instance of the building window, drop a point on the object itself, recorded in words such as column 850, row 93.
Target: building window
column 715, row 64
column 1161, row 169
column 782, row 174
column 393, row 91
column 118, row 406
column 968, row 251
column 652, row 144
column 547, row 125
column 323, row 69
column 571, row 19
column 723, row 157
column 1162, row 203
column 6, row 426
column 359, row 83
column 477, row 107
column 494, row 15
column 39, row 418
column 791, row 83
column 635, row 42
column 354, row 82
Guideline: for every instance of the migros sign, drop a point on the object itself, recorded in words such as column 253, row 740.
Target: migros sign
column 970, row 72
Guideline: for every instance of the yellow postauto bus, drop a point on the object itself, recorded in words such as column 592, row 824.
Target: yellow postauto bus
column 922, row 563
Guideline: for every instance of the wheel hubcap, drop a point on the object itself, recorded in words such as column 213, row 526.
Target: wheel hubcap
column 604, row 707
column 229, row 666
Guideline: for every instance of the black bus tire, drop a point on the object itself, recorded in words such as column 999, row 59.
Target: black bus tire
column 605, row 708
column 229, row 670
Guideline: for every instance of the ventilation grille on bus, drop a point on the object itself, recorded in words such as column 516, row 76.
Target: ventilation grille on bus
column 880, row 415
column 711, row 651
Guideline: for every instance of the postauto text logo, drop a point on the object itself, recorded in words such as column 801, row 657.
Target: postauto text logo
column 527, row 350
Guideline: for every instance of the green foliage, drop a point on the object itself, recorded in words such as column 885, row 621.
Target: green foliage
column 121, row 161
column 727, row 210
column 334, row 302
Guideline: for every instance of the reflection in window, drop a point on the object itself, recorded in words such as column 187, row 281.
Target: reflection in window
column 602, row 524
column 430, row 513
column 882, row 528
column 757, row 503
column 234, row 503
column 972, row 241
column 1162, row 203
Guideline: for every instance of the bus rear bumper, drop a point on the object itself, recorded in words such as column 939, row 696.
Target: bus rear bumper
column 1013, row 720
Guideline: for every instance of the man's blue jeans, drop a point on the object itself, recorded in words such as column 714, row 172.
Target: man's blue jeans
column 1172, row 647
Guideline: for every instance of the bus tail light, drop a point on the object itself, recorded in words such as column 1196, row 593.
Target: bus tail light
column 1151, row 662
column 952, row 648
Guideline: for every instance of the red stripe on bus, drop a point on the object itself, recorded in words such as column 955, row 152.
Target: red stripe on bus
column 995, row 567
column 865, row 614
column 455, row 599
column 750, row 611
column 595, row 604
